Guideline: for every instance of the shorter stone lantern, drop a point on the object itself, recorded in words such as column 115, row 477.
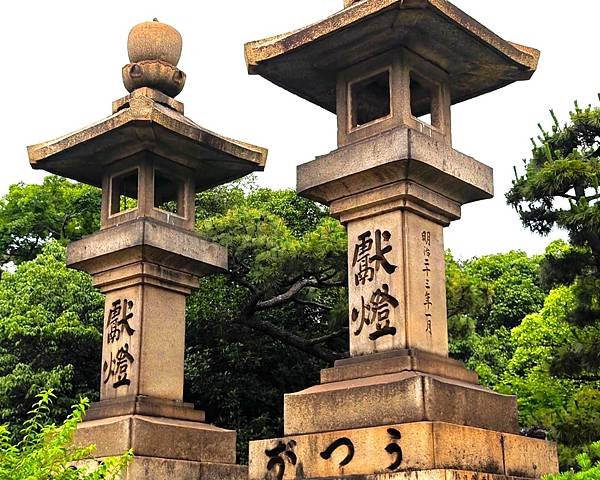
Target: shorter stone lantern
column 150, row 160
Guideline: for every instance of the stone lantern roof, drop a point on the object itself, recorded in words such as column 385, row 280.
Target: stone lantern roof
column 144, row 121
column 306, row 61
column 150, row 120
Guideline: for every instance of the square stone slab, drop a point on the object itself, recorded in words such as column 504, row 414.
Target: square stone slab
column 146, row 241
column 158, row 437
column 387, row 450
column 397, row 361
column 403, row 397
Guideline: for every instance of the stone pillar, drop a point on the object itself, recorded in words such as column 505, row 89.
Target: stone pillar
column 398, row 406
column 150, row 160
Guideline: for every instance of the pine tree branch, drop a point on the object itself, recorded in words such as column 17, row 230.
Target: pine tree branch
column 330, row 336
column 312, row 303
column 288, row 295
column 287, row 338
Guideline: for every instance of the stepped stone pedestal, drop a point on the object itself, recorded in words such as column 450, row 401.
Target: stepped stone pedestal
column 399, row 407
column 150, row 160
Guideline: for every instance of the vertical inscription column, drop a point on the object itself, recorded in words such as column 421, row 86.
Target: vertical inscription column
column 121, row 343
column 427, row 324
column 376, row 284
column 397, row 292
column 144, row 343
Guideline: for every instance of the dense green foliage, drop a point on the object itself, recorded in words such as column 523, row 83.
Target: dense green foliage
column 279, row 315
column 41, row 450
column 560, row 187
column 50, row 323
column 31, row 215
column 284, row 289
column 487, row 297
column 588, row 466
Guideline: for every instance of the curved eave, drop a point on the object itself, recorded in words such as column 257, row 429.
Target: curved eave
column 147, row 126
column 312, row 48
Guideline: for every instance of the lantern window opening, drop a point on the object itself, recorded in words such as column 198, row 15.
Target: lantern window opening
column 169, row 194
column 370, row 99
column 124, row 190
column 425, row 100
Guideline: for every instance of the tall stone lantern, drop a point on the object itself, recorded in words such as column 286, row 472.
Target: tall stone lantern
column 150, row 160
column 390, row 70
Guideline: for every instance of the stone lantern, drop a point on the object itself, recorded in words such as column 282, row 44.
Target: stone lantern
column 390, row 70
column 150, row 160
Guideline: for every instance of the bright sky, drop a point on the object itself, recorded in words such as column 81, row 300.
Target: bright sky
column 62, row 69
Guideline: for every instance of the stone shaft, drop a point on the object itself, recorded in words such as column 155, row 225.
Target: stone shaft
column 397, row 292
column 143, row 343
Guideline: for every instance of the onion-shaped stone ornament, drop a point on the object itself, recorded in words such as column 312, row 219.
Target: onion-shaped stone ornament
column 154, row 50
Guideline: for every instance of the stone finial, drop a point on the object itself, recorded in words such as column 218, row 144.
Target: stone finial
column 154, row 50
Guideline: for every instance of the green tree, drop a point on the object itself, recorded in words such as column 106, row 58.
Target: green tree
column 487, row 297
column 31, row 215
column 567, row 408
column 42, row 450
column 282, row 303
column 587, row 465
column 277, row 316
column 50, row 323
column 560, row 188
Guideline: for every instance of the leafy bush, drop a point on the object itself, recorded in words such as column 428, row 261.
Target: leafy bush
column 44, row 451
column 588, row 466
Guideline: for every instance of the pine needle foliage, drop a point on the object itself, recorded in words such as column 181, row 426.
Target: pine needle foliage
column 560, row 188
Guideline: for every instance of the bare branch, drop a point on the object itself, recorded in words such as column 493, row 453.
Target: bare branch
column 330, row 336
column 339, row 283
column 287, row 338
column 312, row 303
column 289, row 295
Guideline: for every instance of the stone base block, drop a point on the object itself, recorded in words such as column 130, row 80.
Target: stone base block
column 442, row 474
column 397, row 398
column 422, row 447
column 146, row 406
column 158, row 437
column 151, row 468
column 144, row 468
column 398, row 361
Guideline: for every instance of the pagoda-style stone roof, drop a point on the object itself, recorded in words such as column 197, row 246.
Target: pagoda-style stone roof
column 148, row 121
column 306, row 61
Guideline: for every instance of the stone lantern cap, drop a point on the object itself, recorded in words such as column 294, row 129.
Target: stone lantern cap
column 148, row 121
column 306, row 61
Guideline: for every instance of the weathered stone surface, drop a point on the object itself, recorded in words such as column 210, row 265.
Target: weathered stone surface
column 406, row 285
column 144, row 357
column 386, row 450
column 151, row 93
column 477, row 60
column 144, row 406
column 162, row 469
column 397, row 361
column 146, row 125
column 398, row 155
column 528, row 457
column 158, row 437
column 397, row 398
column 153, row 468
column 148, row 241
column 154, row 41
